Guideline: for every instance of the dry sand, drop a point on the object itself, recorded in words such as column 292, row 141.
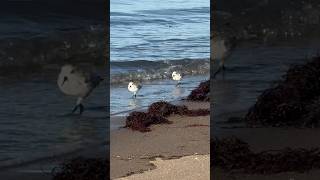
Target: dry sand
column 185, row 168
column 132, row 151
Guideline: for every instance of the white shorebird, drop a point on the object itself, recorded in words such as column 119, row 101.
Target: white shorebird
column 176, row 76
column 134, row 87
column 74, row 82
column 221, row 49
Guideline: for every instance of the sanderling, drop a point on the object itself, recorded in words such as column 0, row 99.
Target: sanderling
column 74, row 82
column 176, row 76
column 221, row 49
column 134, row 87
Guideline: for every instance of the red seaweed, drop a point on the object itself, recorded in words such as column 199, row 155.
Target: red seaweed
column 140, row 121
column 157, row 113
column 293, row 101
column 201, row 93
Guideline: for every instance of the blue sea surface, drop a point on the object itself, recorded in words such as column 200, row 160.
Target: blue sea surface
column 151, row 39
column 158, row 30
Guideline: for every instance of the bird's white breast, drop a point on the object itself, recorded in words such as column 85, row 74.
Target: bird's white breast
column 75, row 85
column 176, row 77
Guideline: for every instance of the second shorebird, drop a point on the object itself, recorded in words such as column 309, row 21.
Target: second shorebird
column 176, row 76
column 221, row 49
column 134, row 87
column 74, row 82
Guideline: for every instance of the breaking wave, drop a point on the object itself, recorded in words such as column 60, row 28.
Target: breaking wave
column 144, row 70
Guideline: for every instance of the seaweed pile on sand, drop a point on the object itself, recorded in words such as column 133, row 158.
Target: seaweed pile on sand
column 293, row 102
column 157, row 113
column 232, row 154
column 201, row 93
column 82, row 169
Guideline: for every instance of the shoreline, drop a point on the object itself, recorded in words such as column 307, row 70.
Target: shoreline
column 121, row 106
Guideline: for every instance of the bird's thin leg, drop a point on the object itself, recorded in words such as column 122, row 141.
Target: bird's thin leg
column 222, row 63
column 75, row 108
column 221, row 68
column 223, row 74
column 81, row 108
column 214, row 75
column 78, row 104
column 177, row 84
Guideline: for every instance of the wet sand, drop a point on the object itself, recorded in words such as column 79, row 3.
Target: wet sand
column 261, row 139
column 41, row 169
column 132, row 151
column 264, row 139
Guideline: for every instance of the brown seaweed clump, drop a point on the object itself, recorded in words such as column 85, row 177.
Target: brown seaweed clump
column 157, row 113
column 165, row 109
column 233, row 154
column 140, row 121
column 293, row 101
column 83, row 169
column 201, row 93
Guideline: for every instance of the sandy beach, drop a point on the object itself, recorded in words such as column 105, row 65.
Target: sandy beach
column 134, row 152
column 188, row 168
column 266, row 139
column 42, row 168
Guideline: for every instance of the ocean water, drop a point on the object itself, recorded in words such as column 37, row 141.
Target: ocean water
column 161, row 90
column 35, row 119
column 27, row 19
column 159, row 30
column 151, row 39
column 251, row 69
column 36, row 33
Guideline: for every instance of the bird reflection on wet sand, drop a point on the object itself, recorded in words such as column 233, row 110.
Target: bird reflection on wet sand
column 135, row 103
column 178, row 91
